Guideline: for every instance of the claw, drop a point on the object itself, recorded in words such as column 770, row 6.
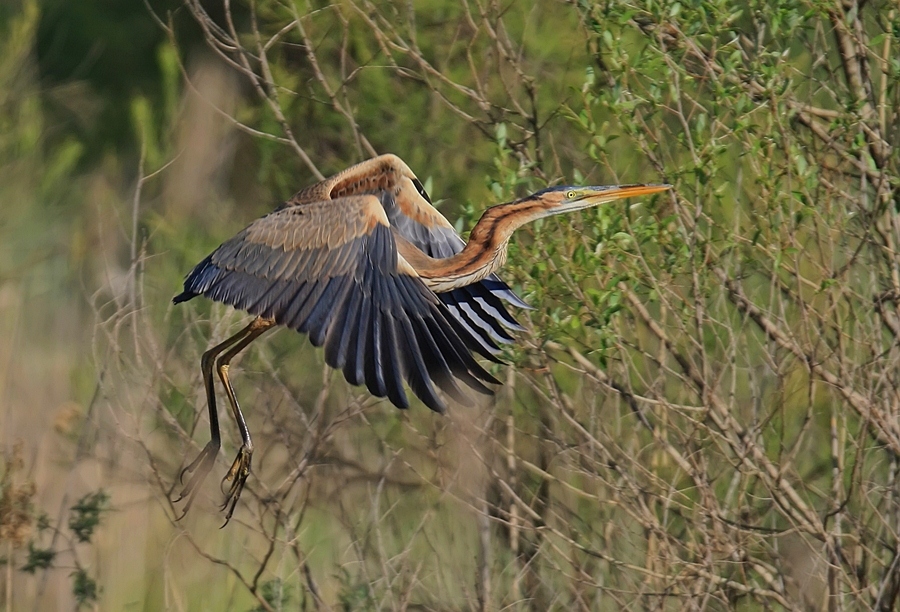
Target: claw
column 237, row 474
column 199, row 468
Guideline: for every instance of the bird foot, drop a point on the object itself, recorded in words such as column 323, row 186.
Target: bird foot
column 199, row 469
column 238, row 474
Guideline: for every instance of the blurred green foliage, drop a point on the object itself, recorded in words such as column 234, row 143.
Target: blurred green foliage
column 276, row 594
column 85, row 514
column 110, row 48
column 84, row 588
column 20, row 521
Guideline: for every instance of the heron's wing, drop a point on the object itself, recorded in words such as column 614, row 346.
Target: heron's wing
column 331, row 269
column 478, row 307
column 371, row 177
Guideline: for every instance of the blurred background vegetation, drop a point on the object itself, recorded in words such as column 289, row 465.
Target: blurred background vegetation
column 703, row 412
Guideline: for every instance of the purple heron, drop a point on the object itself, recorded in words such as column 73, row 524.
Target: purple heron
column 366, row 266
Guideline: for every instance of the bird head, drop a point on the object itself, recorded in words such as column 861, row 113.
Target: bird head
column 567, row 198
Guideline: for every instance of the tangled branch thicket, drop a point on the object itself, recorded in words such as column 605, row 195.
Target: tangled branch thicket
column 704, row 410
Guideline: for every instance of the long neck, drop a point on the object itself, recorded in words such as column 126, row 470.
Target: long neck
column 483, row 254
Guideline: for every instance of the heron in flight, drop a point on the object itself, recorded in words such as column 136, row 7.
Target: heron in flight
column 366, row 266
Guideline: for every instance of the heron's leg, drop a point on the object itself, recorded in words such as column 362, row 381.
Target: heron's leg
column 201, row 466
column 240, row 469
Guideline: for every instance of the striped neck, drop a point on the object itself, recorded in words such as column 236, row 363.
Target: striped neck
column 484, row 253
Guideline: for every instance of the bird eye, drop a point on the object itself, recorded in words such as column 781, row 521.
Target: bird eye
column 570, row 195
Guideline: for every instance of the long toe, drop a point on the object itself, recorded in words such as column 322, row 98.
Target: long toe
column 199, row 469
column 238, row 474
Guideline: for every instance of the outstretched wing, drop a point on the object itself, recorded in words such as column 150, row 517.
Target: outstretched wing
column 331, row 269
column 478, row 307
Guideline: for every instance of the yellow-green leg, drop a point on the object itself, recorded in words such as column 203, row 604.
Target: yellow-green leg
column 200, row 467
column 240, row 468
